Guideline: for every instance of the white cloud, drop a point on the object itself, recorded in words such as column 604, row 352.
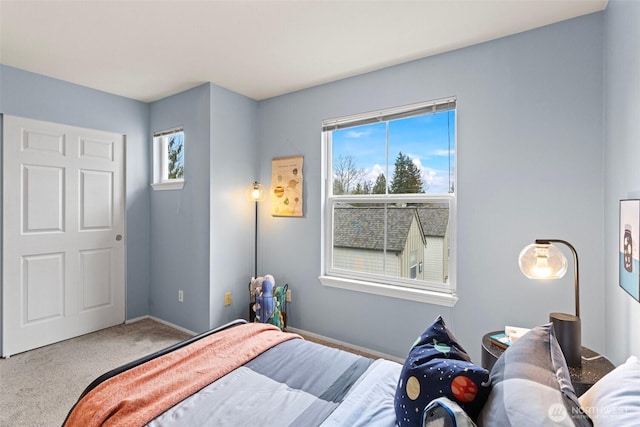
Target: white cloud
column 372, row 174
column 442, row 153
column 434, row 180
column 356, row 134
column 416, row 161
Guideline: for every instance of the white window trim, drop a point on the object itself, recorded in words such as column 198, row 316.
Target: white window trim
column 168, row 185
column 401, row 292
column 332, row 278
column 160, row 164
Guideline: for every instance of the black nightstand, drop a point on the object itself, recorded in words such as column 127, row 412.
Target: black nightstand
column 594, row 365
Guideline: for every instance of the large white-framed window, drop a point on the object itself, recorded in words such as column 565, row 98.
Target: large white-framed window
column 389, row 204
column 168, row 159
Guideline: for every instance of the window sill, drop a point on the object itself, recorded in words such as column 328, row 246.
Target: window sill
column 162, row 186
column 419, row 295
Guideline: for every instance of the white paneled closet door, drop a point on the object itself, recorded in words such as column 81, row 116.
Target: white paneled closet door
column 63, row 227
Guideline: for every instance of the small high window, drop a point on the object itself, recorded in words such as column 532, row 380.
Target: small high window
column 168, row 163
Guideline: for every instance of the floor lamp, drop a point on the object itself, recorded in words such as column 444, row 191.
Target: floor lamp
column 541, row 261
column 256, row 193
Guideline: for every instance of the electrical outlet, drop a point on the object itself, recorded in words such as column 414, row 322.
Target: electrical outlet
column 227, row 298
column 180, row 296
column 288, row 296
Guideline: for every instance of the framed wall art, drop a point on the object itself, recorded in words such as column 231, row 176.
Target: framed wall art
column 286, row 186
column 629, row 264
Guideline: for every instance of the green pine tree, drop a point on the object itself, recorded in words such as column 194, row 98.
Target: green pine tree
column 366, row 187
column 359, row 189
column 176, row 163
column 380, row 187
column 406, row 176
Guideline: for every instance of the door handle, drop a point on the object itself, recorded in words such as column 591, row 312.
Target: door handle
column 119, row 237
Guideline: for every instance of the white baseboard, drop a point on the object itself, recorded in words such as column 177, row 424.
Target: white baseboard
column 346, row 345
column 164, row 322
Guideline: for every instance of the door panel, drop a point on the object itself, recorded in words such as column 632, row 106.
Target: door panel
column 95, row 283
column 96, row 200
column 63, row 199
column 46, row 211
column 43, row 287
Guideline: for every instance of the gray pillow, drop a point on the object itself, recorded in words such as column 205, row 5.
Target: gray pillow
column 531, row 386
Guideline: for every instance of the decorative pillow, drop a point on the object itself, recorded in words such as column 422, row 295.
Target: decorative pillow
column 442, row 412
column 531, row 385
column 615, row 399
column 438, row 366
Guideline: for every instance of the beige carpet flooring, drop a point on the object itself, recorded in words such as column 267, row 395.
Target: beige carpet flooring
column 38, row 387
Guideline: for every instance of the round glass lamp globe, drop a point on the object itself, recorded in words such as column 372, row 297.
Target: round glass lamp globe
column 542, row 261
column 255, row 192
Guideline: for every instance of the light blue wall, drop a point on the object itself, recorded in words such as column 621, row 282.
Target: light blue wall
column 233, row 169
column 622, row 160
column 31, row 95
column 180, row 218
column 201, row 236
column 529, row 166
column 234, row 120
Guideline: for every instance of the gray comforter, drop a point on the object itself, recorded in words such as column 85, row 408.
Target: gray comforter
column 296, row 383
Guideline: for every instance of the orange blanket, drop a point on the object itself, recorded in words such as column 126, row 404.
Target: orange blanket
column 136, row 396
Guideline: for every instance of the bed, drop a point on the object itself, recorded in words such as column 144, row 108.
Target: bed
column 243, row 374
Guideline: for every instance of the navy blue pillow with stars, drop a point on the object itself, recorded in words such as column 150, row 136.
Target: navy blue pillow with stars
column 438, row 366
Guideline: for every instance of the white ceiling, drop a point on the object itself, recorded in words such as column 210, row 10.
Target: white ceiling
column 147, row 49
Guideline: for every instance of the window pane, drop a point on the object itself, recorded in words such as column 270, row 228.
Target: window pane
column 404, row 156
column 359, row 159
column 392, row 240
column 175, row 156
column 421, row 154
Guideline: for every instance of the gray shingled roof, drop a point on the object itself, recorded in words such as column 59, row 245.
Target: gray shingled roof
column 363, row 227
column 434, row 219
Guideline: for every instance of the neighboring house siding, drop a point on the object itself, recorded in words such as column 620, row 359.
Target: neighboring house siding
column 415, row 244
column 434, row 265
column 435, row 222
column 445, row 255
column 364, row 260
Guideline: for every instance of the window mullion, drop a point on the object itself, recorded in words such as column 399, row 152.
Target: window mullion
column 386, row 191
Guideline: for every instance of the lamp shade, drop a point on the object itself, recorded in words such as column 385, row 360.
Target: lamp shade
column 542, row 261
column 255, row 192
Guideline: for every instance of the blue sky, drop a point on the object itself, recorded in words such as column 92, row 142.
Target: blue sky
column 425, row 139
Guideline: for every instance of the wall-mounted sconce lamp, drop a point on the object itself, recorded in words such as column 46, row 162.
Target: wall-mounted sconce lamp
column 543, row 261
column 256, row 193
